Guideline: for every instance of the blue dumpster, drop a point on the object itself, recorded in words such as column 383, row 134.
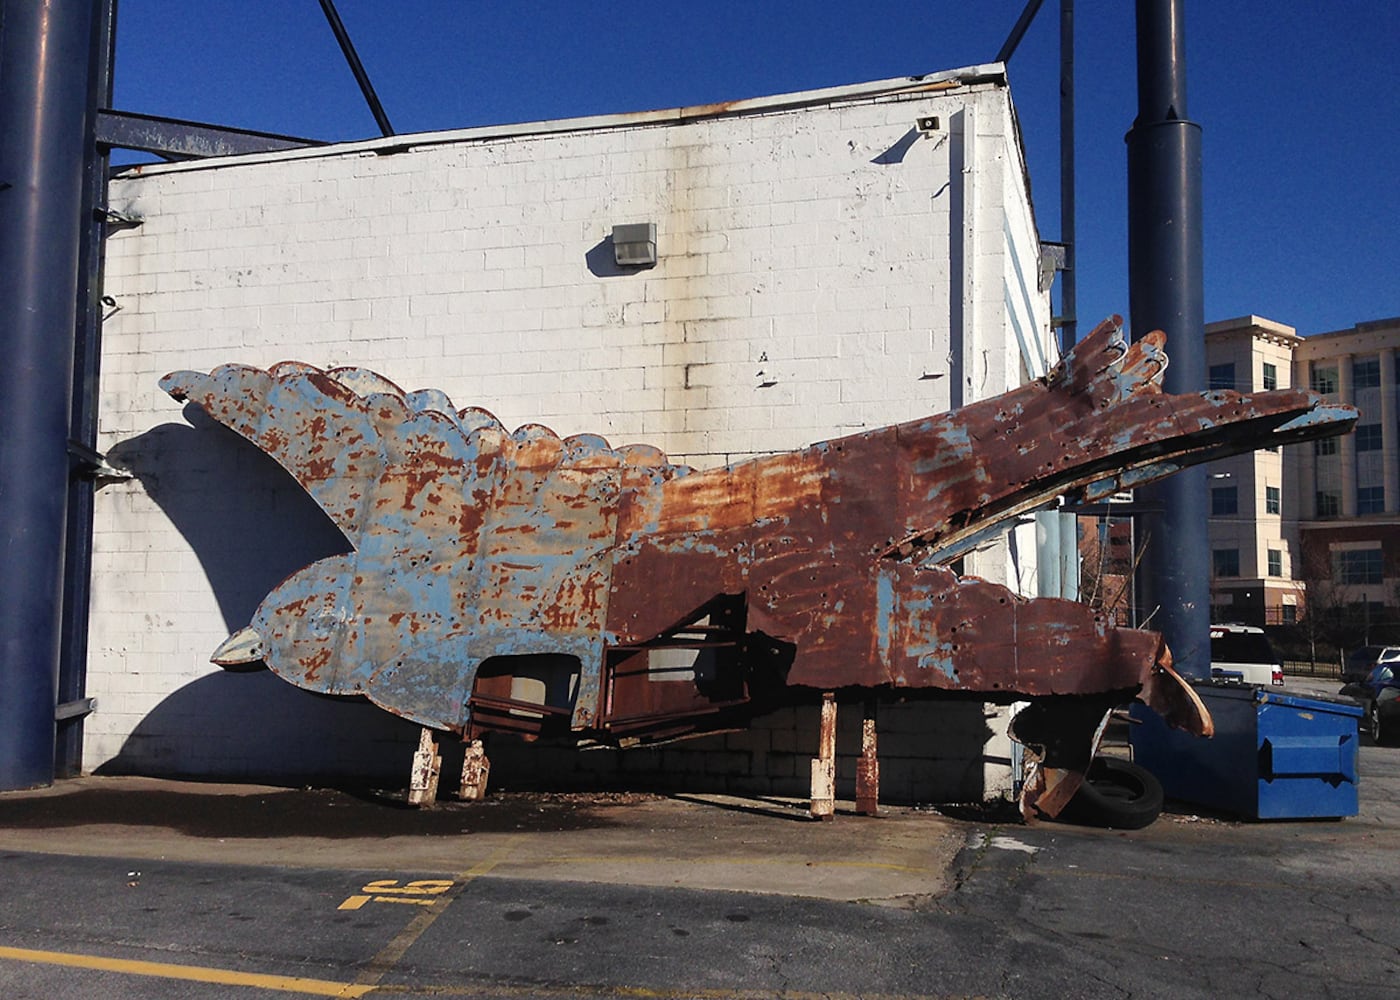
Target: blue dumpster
column 1273, row 756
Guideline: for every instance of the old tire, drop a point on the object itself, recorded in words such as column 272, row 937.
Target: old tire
column 1117, row 794
column 1381, row 734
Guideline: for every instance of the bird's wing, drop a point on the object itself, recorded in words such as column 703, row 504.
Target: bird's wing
column 349, row 437
column 380, row 460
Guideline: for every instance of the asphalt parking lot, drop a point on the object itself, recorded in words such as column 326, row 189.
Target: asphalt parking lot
column 160, row 889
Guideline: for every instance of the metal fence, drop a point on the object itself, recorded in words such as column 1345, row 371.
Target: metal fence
column 1307, row 668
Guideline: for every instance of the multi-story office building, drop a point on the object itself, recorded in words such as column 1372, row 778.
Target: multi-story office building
column 1348, row 488
column 1321, row 517
column 1253, row 536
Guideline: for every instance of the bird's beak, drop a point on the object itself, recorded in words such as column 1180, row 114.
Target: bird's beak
column 241, row 651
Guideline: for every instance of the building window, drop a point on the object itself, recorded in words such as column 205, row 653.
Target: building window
column 1370, row 499
column 1270, row 376
column 1224, row 500
column 1290, row 614
column 1222, row 376
column 1324, row 378
column 1368, row 437
column 1325, row 446
column 1366, row 373
column 1275, row 562
column 1329, row 503
column 1273, row 500
column 1225, row 562
column 1358, row 566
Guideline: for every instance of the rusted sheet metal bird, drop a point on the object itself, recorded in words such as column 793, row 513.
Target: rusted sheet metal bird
column 523, row 583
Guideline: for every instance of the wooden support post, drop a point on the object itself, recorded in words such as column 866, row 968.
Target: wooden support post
column 868, row 766
column 427, row 765
column 476, row 768
column 824, row 764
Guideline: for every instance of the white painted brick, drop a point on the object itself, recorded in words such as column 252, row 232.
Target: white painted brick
column 466, row 265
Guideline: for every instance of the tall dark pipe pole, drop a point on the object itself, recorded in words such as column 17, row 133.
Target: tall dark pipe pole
column 1165, row 289
column 44, row 49
column 87, row 357
column 1069, row 305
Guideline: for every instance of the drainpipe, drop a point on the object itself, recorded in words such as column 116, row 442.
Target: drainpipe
column 1165, row 291
column 43, row 111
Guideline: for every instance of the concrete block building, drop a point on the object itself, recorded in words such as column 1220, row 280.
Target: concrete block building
column 825, row 262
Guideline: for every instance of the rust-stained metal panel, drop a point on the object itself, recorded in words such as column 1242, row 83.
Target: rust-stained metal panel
column 519, row 582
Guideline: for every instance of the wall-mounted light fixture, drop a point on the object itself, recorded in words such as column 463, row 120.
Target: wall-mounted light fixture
column 634, row 245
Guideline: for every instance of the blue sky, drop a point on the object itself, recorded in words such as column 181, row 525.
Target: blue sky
column 1298, row 102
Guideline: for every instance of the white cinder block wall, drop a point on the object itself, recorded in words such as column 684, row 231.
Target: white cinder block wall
column 824, row 267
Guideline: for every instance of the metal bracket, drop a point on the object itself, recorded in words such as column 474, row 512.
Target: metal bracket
column 77, row 709
column 1053, row 257
column 113, row 219
column 88, row 463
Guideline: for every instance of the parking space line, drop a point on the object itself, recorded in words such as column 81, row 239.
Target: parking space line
column 390, row 954
column 190, row 973
column 331, row 988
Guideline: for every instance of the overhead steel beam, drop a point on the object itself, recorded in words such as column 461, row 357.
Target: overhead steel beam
column 187, row 140
column 347, row 48
column 1018, row 31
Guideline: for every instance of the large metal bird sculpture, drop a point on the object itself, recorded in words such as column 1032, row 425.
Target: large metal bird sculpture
column 523, row 583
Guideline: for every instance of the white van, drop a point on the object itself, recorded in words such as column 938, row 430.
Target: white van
column 1242, row 653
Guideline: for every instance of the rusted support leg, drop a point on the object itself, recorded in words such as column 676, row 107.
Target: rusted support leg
column 868, row 766
column 824, row 763
column 427, row 765
column 476, row 768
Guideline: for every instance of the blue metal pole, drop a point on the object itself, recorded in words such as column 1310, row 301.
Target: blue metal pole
column 44, row 55
column 1165, row 289
column 87, row 355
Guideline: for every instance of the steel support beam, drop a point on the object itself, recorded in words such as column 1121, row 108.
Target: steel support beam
column 1165, row 287
column 352, row 58
column 43, row 118
column 185, row 140
column 1018, row 31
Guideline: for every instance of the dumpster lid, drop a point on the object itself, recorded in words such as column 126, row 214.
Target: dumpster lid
column 1269, row 696
column 1311, row 703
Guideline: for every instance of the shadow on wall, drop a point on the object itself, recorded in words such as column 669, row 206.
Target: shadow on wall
column 257, row 726
column 244, row 516
column 251, row 526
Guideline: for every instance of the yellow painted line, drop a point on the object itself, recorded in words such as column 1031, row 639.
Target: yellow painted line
column 330, row 988
column 620, row 859
column 190, row 973
column 390, row 954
